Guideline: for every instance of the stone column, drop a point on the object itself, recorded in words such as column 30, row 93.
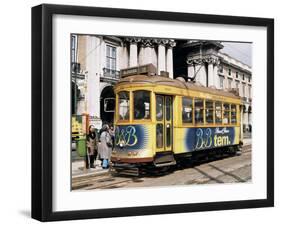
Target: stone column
column 169, row 58
column 216, row 76
column 133, row 58
column 210, row 74
column 147, row 51
column 199, row 76
column 161, row 55
column 190, row 70
column 133, row 61
column 141, row 55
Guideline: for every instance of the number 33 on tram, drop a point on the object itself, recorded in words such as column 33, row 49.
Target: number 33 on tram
column 159, row 121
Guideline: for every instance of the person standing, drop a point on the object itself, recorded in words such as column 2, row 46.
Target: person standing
column 112, row 135
column 105, row 147
column 92, row 147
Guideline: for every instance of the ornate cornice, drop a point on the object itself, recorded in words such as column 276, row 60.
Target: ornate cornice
column 204, row 59
column 147, row 43
column 133, row 40
column 171, row 43
column 151, row 42
column 159, row 41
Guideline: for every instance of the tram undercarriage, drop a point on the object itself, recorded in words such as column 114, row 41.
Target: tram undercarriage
column 170, row 162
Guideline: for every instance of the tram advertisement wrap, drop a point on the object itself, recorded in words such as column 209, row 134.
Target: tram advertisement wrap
column 131, row 137
column 205, row 138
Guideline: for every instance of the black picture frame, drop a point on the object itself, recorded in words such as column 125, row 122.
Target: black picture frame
column 42, row 111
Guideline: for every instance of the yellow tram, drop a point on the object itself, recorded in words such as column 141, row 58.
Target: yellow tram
column 159, row 120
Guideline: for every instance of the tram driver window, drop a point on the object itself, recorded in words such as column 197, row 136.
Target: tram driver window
column 142, row 105
column 187, row 110
column 199, row 108
column 124, row 105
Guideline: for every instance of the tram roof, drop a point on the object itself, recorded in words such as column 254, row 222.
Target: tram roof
column 161, row 80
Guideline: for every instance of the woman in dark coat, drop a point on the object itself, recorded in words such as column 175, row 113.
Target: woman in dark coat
column 92, row 147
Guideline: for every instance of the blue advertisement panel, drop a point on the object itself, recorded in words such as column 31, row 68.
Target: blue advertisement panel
column 209, row 137
column 131, row 137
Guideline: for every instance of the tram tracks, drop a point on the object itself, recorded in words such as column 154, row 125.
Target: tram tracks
column 108, row 181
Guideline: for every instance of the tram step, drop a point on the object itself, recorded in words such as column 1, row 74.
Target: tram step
column 126, row 171
column 165, row 164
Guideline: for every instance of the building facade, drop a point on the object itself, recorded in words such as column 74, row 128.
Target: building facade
column 96, row 65
column 97, row 61
column 208, row 66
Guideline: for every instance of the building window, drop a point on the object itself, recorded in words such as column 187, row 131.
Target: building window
column 111, row 59
column 229, row 72
column 124, row 105
column 209, row 111
column 141, row 104
column 243, row 90
column 199, row 109
column 229, row 83
column 249, row 79
column 236, row 74
column 73, row 49
column 243, row 77
column 221, row 69
column 187, row 110
column 221, row 82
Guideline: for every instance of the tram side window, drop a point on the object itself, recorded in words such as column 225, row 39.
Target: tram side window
column 209, row 111
column 141, row 104
column 233, row 114
column 124, row 105
column 187, row 110
column 225, row 113
column 199, row 108
column 218, row 112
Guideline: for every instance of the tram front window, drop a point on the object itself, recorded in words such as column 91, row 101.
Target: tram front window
column 124, row 105
column 142, row 105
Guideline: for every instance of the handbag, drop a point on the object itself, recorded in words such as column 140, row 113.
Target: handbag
column 109, row 142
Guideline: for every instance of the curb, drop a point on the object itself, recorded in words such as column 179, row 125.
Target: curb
column 91, row 174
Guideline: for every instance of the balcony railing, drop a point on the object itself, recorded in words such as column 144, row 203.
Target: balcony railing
column 112, row 74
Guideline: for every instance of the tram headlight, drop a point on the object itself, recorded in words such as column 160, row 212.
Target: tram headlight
column 122, row 144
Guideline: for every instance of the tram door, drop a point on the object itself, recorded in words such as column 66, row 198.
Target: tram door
column 164, row 123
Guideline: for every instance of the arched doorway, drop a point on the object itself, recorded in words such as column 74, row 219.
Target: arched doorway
column 107, row 105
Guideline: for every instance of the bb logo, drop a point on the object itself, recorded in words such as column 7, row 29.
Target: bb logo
column 203, row 138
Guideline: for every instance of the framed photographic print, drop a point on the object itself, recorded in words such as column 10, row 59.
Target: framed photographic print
column 146, row 112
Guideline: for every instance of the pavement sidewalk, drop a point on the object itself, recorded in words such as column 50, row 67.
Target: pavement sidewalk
column 79, row 170
column 247, row 141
